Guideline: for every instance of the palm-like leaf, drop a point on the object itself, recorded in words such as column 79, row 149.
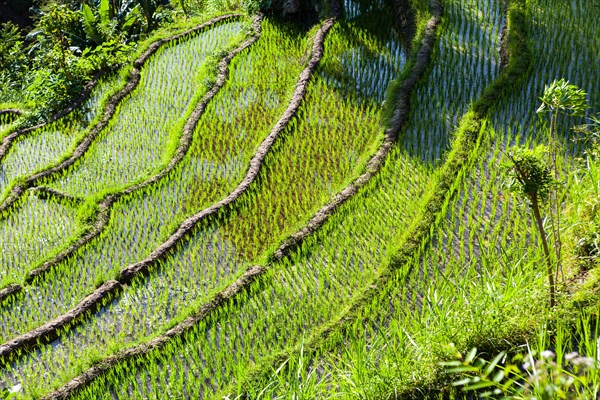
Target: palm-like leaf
column 562, row 97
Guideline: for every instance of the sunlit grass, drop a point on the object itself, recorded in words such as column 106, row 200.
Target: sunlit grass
column 66, row 285
column 36, row 150
column 477, row 281
column 135, row 141
column 301, row 291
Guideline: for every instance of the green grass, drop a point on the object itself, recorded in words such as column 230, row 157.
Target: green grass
column 479, row 284
column 296, row 295
column 394, row 276
column 142, row 221
column 36, row 150
column 81, row 276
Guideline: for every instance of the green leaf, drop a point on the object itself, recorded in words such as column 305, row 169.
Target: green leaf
column 488, row 370
column 471, row 356
column 89, row 24
column 561, row 96
column 508, row 384
column 104, row 11
column 129, row 21
column 462, row 382
column 480, row 385
column 466, row 368
column 88, row 15
column 498, row 376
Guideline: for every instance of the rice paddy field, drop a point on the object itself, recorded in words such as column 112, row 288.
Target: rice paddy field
column 6, row 120
column 276, row 209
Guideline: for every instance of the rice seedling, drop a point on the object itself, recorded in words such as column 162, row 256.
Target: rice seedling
column 208, row 247
column 564, row 46
column 323, row 148
column 298, row 295
column 468, row 52
column 141, row 221
column 484, row 239
column 467, row 285
column 31, row 231
column 91, row 274
column 134, row 144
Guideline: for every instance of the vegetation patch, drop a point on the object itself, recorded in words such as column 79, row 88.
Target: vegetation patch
column 305, row 199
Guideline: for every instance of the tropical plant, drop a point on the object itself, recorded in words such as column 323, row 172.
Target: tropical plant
column 530, row 377
column 537, row 373
column 110, row 19
column 531, row 178
column 14, row 64
column 11, row 53
column 149, row 8
column 54, row 36
column 559, row 98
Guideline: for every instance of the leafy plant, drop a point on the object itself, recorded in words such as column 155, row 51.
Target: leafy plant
column 149, row 8
column 10, row 392
column 12, row 57
column 110, row 20
column 109, row 53
column 559, row 98
column 55, row 34
column 530, row 377
column 531, row 178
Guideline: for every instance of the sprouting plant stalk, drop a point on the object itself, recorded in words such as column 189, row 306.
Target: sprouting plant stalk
column 532, row 179
column 560, row 97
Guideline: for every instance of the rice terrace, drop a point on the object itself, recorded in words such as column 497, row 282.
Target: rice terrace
column 300, row 199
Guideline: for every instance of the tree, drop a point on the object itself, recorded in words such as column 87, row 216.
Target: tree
column 531, row 178
column 149, row 8
column 559, row 98
column 11, row 52
column 55, row 26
